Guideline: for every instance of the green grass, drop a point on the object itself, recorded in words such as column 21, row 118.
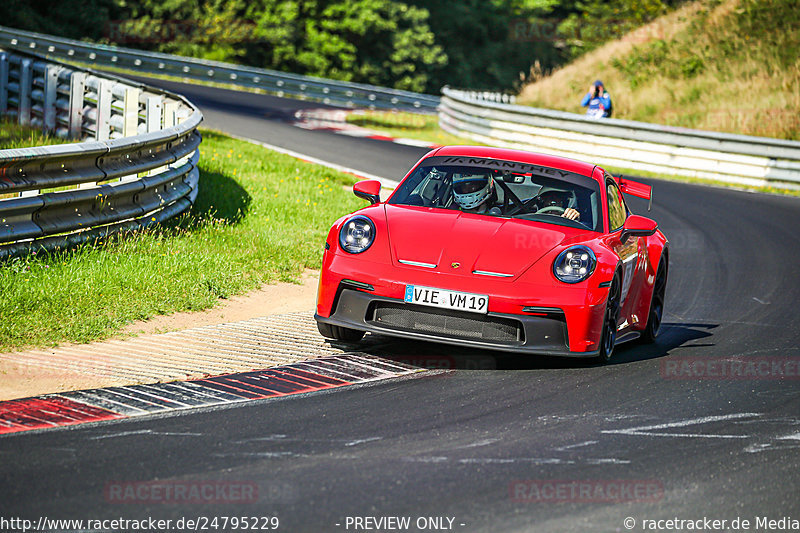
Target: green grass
column 12, row 135
column 260, row 217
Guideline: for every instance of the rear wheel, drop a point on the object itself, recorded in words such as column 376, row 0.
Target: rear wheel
column 339, row 333
column 657, row 304
column 610, row 320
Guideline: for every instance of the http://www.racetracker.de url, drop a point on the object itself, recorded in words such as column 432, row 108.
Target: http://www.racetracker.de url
column 44, row 524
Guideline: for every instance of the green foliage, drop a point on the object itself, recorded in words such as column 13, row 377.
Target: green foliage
column 418, row 45
column 599, row 21
column 75, row 19
column 491, row 45
column 384, row 42
column 774, row 24
column 767, row 31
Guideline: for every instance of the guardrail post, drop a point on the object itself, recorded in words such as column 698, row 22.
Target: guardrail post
column 3, row 83
column 153, row 113
column 130, row 122
column 25, row 82
column 153, row 117
column 77, row 91
column 51, row 73
column 104, row 98
column 170, row 114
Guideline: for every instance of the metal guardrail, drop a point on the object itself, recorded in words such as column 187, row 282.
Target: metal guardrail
column 279, row 83
column 136, row 166
column 756, row 161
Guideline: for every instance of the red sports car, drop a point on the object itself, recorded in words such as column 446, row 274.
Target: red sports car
column 499, row 249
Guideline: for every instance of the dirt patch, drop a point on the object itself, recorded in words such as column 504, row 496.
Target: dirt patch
column 75, row 367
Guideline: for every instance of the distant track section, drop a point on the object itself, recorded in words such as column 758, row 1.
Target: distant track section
column 279, row 83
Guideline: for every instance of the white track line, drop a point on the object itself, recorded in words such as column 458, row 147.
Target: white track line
column 386, row 182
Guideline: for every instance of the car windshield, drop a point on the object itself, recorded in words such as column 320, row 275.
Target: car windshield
column 503, row 189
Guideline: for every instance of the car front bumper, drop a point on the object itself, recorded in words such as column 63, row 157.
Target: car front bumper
column 543, row 333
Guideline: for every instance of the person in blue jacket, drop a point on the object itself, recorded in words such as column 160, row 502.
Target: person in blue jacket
column 598, row 100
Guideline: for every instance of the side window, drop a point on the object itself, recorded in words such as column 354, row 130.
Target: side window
column 617, row 213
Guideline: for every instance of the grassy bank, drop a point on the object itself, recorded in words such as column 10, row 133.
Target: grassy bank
column 730, row 66
column 260, row 217
column 12, row 135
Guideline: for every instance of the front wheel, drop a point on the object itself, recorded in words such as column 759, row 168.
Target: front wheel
column 340, row 333
column 610, row 320
column 656, row 314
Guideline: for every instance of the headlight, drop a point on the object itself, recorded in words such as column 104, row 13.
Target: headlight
column 357, row 234
column 574, row 264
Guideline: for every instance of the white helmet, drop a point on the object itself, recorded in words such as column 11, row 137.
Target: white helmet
column 471, row 190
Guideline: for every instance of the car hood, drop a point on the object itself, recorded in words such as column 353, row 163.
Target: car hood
column 476, row 242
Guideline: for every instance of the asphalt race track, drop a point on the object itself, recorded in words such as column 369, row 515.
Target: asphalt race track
column 267, row 119
column 496, row 443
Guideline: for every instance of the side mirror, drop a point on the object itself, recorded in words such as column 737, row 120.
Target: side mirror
column 637, row 226
column 369, row 190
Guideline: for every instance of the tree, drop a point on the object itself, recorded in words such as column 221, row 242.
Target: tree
column 77, row 20
column 491, row 45
column 384, row 42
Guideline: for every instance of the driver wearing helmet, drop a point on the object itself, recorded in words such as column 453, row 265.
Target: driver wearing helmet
column 473, row 192
column 560, row 200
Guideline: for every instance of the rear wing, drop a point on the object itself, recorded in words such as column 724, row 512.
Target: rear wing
column 634, row 188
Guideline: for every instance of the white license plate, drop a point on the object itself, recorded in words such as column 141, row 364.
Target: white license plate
column 461, row 301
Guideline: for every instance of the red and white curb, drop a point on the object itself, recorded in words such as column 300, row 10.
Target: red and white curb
column 114, row 403
column 335, row 120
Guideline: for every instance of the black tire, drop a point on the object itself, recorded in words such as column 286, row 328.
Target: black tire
column 610, row 319
column 339, row 333
column 656, row 314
